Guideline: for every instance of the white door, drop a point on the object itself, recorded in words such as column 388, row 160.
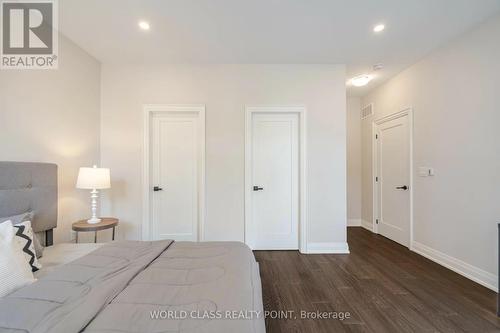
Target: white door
column 174, row 179
column 274, row 181
column 393, row 152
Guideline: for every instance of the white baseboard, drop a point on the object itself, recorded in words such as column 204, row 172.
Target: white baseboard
column 367, row 225
column 318, row 248
column 354, row 222
column 473, row 273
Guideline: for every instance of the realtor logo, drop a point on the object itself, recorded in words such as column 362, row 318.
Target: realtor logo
column 29, row 34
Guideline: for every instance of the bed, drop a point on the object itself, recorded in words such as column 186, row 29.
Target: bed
column 125, row 286
column 61, row 254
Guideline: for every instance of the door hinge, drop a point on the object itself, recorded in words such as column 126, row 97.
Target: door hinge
column 376, row 136
column 376, row 221
column 376, row 179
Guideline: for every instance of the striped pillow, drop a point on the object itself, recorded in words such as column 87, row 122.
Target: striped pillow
column 15, row 272
column 24, row 239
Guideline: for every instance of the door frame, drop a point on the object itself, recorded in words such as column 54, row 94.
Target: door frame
column 375, row 155
column 148, row 111
column 301, row 112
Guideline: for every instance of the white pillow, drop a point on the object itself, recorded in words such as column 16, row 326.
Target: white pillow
column 15, row 271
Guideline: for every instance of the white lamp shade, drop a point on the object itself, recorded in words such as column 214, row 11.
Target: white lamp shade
column 93, row 178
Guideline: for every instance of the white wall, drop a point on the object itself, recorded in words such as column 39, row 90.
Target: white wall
column 455, row 95
column 225, row 89
column 353, row 161
column 53, row 116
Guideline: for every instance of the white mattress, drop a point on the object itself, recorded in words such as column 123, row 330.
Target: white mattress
column 63, row 253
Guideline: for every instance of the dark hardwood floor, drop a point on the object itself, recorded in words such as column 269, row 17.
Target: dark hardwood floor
column 384, row 286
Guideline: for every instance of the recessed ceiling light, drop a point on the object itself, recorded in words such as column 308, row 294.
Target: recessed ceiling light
column 144, row 25
column 378, row 28
column 362, row 80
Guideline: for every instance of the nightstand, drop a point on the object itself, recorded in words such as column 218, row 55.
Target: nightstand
column 106, row 223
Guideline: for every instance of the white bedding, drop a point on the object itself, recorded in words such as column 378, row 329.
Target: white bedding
column 63, row 253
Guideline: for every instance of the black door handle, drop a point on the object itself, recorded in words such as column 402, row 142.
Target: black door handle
column 256, row 188
column 402, row 187
column 157, row 188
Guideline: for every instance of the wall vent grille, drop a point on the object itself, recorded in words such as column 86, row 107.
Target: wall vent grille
column 367, row 111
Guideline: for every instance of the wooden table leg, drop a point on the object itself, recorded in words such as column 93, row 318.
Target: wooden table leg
column 113, row 234
column 95, row 237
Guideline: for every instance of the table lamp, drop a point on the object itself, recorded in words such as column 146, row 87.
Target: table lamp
column 93, row 179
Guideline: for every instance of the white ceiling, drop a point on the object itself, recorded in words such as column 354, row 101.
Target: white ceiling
column 271, row 31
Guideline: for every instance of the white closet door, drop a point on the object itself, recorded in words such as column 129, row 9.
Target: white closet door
column 275, row 181
column 175, row 166
column 394, row 180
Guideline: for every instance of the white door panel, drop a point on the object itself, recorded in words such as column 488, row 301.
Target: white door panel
column 275, row 155
column 175, row 163
column 394, row 179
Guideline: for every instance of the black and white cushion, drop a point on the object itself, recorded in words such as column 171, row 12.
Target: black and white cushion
column 15, row 272
column 28, row 216
column 24, row 238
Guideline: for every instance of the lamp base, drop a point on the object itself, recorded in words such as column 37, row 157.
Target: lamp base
column 93, row 220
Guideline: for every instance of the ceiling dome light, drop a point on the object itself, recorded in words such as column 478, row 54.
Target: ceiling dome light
column 362, row 80
column 378, row 28
column 144, row 25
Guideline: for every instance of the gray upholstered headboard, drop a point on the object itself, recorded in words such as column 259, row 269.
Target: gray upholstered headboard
column 28, row 186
